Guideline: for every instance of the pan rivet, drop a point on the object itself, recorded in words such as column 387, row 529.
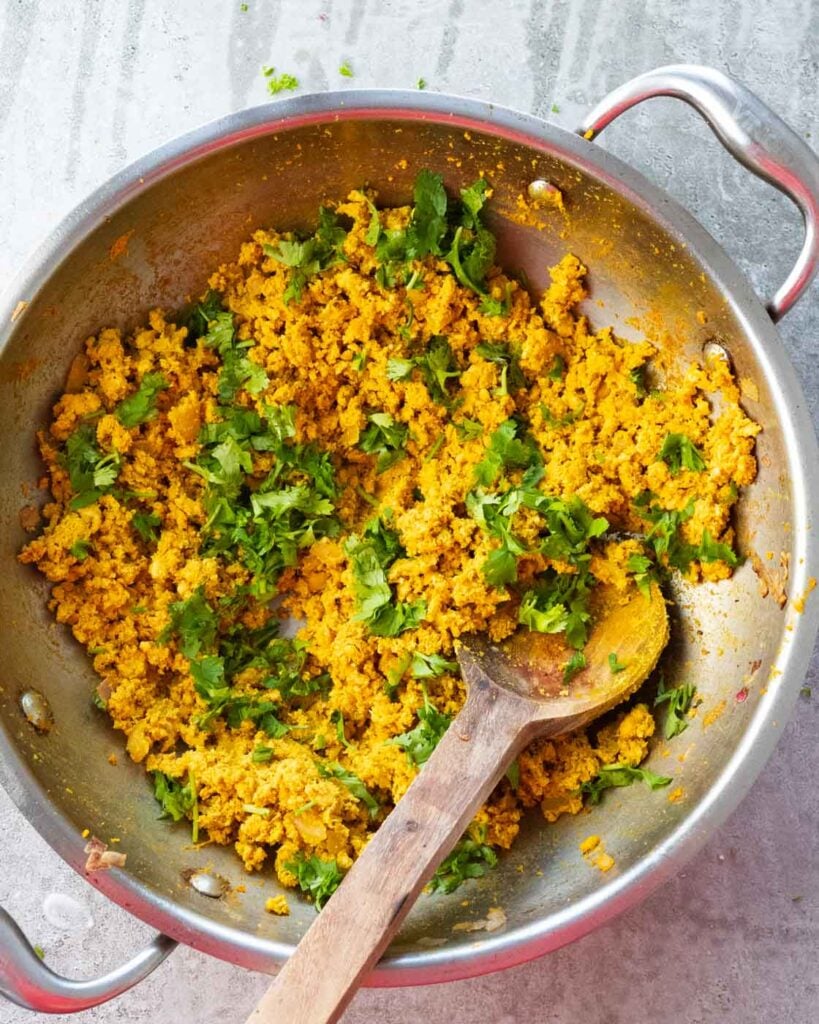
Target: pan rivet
column 36, row 709
column 540, row 188
column 209, row 885
column 713, row 351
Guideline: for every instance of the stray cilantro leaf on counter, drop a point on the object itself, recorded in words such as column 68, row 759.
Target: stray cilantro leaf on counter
column 307, row 258
column 91, row 472
column 333, row 770
column 679, row 452
column 140, row 406
column 613, row 776
column 384, row 437
column 279, row 83
column 420, row 742
column 370, row 556
column 345, row 70
column 505, row 356
column 471, row 858
column 679, row 700
column 317, row 878
column 421, row 83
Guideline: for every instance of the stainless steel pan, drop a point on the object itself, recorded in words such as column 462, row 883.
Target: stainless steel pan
column 186, row 207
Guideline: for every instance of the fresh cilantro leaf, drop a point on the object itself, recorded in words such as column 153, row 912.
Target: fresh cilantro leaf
column 400, row 369
column 317, row 878
column 644, row 571
column 438, row 367
column 471, row 858
column 176, row 800
column 359, row 361
column 679, row 700
column 491, row 306
column 420, row 742
column 79, row 549
column 345, row 70
column 506, row 450
column 618, row 775
column 421, row 83
column 712, row 551
column 370, row 556
column 395, row 675
column 261, row 755
column 333, row 770
column 559, row 603
column 513, row 774
column 511, row 375
column 637, row 376
column 91, row 472
column 554, row 422
column 386, row 438
column 679, row 452
column 469, row 430
column 193, row 622
column 614, row 664
column 374, row 230
column 664, row 536
column 575, row 664
column 140, row 406
column 337, row 718
column 309, row 257
column 201, row 315
column 428, row 224
column 428, row 666
column 279, row 83
column 146, row 525
column 558, row 367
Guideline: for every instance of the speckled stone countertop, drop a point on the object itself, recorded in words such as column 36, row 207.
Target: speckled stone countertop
column 87, row 86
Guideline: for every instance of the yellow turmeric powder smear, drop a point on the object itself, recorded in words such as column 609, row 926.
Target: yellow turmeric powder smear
column 145, row 545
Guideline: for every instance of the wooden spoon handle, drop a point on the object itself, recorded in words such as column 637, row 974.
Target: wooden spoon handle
column 356, row 925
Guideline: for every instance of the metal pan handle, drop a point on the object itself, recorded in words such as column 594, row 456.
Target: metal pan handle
column 751, row 132
column 25, row 979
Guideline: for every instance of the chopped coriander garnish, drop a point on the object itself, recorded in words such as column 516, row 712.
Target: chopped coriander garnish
column 175, row 799
column 386, row 438
column 504, row 451
column 558, row 367
column 437, row 367
column 370, row 556
column 469, row 430
column 513, row 774
column 679, row 700
column 146, row 525
column 420, row 742
column 506, row 357
column 333, row 770
column 317, row 878
column 337, row 718
column 91, row 472
column 471, row 858
column 261, row 755
column 279, row 83
column 617, row 775
column 359, row 361
column 429, row 666
column 79, row 549
column 435, row 447
column 575, row 664
column 140, row 406
column 679, row 452
column 307, row 258
column 644, row 572
column 615, row 665
column 193, row 622
column 559, row 603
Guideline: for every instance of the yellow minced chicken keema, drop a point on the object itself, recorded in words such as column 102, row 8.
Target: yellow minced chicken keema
column 401, row 379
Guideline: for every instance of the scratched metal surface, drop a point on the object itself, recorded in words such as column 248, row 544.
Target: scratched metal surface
column 87, row 86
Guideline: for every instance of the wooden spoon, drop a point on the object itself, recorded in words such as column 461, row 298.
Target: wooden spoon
column 516, row 693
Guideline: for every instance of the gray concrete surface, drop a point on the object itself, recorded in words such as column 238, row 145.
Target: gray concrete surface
column 87, row 86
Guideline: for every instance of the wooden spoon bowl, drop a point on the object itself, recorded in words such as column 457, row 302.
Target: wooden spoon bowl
column 516, row 692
